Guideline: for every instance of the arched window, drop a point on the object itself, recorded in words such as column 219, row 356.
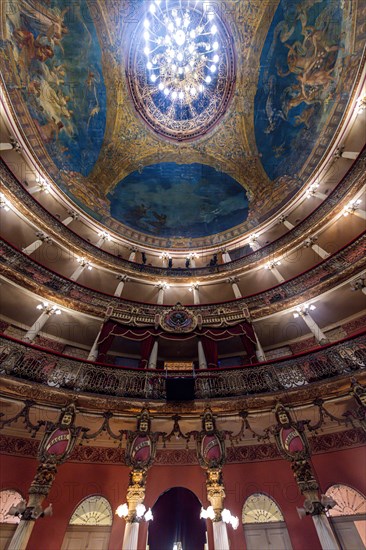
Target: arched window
column 94, row 510
column 264, row 524
column 8, row 498
column 89, row 525
column 348, row 516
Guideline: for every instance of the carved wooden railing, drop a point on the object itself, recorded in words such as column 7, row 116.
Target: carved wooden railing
column 355, row 178
column 30, row 363
column 334, row 270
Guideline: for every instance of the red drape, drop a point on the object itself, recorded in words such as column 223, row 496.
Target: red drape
column 210, row 349
column 209, row 338
column 146, row 349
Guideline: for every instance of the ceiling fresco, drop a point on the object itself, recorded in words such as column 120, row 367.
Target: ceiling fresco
column 60, row 79
column 172, row 200
column 66, row 71
column 301, row 63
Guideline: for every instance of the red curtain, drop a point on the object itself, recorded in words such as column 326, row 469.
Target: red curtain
column 146, row 349
column 210, row 349
column 146, row 335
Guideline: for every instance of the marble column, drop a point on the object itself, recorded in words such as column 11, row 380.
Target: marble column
column 325, row 533
column 196, row 294
column 93, row 353
column 233, row 281
column 153, row 359
column 258, row 348
column 221, row 540
column 202, row 363
column 272, row 266
column 310, row 243
column 42, row 238
column 315, row 329
column 226, row 258
column 104, row 236
column 84, row 264
column 130, row 536
column 37, row 326
column 72, row 216
column 132, row 256
column 285, row 222
column 119, row 289
column 160, row 299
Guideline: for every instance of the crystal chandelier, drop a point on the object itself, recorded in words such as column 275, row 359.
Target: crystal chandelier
column 182, row 52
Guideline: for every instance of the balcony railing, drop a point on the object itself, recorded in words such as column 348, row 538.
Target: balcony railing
column 354, row 179
column 31, row 363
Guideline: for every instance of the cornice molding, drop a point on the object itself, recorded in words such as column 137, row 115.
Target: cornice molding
column 354, row 180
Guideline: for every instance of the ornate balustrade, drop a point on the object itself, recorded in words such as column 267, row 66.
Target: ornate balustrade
column 29, row 363
column 354, row 179
column 332, row 271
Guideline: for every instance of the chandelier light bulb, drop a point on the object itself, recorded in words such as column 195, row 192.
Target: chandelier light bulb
column 183, row 53
column 122, row 510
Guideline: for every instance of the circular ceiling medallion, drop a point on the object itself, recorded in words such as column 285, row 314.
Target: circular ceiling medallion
column 181, row 68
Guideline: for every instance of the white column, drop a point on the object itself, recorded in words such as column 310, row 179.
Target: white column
column 236, row 290
column 221, row 540
column 325, row 533
column 132, row 256
column 78, row 271
column 272, row 267
column 36, row 244
column 310, row 243
column 196, row 294
column 6, row 146
column 160, row 300
column 73, row 216
column 226, row 257
column 122, row 280
column 101, row 241
column 258, row 348
column 153, row 359
column 93, row 353
column 37, row 326
column 315, row 329
column 360, row 213
column 130, row 536
column 193, row 262
column 286, row 223
column 352, row 155
column 319, row 195
column 254, row 244
column 202, row 363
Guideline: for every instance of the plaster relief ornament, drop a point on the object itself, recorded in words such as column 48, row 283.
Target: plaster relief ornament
column 178, row 319
column 210, row 443
column 289, row 435
column 141, row 444
column 60, row 438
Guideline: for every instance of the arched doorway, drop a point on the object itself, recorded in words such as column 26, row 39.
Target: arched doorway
column 177, row 520
column 348, row 517
column 90, row 525
column 8, row 524
column 264, row 524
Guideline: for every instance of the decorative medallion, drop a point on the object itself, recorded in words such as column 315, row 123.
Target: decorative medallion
column 181, row 68
column 178, row 319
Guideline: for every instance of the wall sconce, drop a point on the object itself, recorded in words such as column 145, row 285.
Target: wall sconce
column 4, row 203
column 140, row 512
column 351, row 207
column 84, row 263
column 316, row 507
column 45, row 306
column 28, row 513
column 303, row 310
column 226, row 516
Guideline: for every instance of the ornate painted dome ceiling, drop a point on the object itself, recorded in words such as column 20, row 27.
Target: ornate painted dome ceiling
column 180, row 123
